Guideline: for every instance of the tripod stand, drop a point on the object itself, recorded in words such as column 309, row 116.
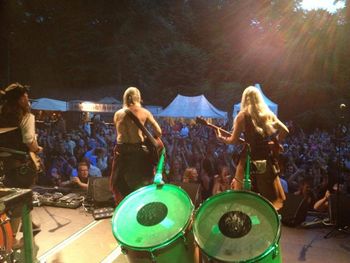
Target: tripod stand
column 339, row 137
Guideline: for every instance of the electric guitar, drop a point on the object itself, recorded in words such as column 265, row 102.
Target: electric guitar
column 202, row 121
column 37, row 161
column 34, row 158
column 273, row 143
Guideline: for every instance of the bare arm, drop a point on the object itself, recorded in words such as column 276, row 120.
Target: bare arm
column 238, row 127
column 156, row 128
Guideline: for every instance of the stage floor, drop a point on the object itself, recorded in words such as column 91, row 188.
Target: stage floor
column 72, row 235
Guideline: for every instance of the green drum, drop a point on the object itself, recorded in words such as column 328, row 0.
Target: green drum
column 152, row 225
column 237, row 226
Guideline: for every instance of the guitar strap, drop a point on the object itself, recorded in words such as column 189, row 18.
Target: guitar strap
column 137, row 122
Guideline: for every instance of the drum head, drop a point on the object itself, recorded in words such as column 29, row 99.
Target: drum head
column 152, row 217
column 236, row 226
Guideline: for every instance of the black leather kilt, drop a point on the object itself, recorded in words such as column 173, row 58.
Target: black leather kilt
column 132, row 168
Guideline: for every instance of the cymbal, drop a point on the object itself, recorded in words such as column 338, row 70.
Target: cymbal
column 7, row 129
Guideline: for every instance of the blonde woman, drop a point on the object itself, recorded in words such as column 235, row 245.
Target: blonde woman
column 261, row 129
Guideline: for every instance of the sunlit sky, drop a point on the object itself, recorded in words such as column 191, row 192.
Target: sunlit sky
column 328, row 5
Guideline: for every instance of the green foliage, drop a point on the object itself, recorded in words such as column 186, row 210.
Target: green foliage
column 165, row 47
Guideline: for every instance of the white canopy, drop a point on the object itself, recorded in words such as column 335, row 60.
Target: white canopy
column 272, row 106
column 49, row 104
column 191, row 107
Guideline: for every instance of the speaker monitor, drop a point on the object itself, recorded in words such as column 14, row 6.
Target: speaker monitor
column 339, row 203
column 99, row 191
column 294, row 210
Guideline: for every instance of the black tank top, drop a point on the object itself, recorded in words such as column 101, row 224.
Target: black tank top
column 258, row 143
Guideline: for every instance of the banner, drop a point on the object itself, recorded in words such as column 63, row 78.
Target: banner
column 93, row 107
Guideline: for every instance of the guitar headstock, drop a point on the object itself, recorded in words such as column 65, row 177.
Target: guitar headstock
column 202, row 121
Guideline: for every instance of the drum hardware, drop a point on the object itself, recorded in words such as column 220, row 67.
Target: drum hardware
column 153, row 257
column 123, row 250
column 4, row 221
column 184, row 238
column 247, row 184
column 6, row 235
column 276, row 251
column 12, row 197
column 158, row 177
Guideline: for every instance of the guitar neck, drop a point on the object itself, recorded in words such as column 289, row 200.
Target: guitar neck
column 224, row 132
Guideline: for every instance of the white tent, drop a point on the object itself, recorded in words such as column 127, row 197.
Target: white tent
column 272, row 106
column 191, row 107
column 49, row 104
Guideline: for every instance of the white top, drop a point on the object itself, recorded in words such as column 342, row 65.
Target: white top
column 27, row 127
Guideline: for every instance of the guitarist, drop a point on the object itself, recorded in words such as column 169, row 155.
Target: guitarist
column 258, row 124
column 132, row 167
column 20, row 172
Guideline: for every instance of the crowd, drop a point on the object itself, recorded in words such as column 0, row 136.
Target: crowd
column 91, row 143
column 310, row 164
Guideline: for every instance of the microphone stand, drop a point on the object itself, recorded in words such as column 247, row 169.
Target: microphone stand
column 158, row 177
column 247, row 184
column 53, row 217
column 339, row 136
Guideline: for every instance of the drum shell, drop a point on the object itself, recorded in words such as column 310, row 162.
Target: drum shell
column 183, row 245
column 270, row 253
column 273, row 257
column 174, row 246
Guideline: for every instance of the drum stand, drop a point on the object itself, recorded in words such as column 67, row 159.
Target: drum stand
column 340, row 134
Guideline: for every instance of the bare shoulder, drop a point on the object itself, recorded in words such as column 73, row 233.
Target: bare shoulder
column 118, row 114
column 141, row 111
column 240, row 116
column 144, row 110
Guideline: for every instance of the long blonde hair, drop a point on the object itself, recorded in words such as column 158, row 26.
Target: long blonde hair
column 132, row 96
column 263, row 118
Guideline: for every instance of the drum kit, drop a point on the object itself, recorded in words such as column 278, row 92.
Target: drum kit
column 158, row 223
